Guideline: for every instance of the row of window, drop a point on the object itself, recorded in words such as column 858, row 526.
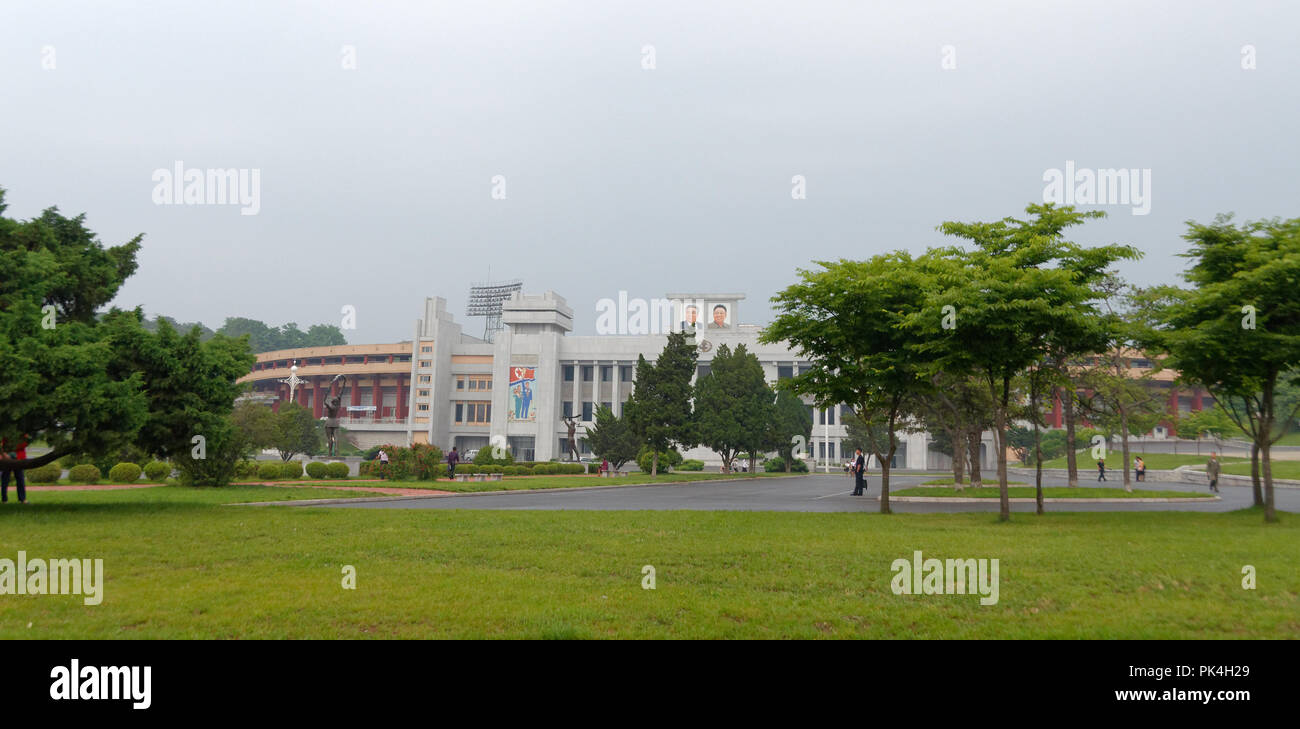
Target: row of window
column 474, row 383
column 473, row 413
column 588, row 410
column 606, row 373
column 321, row 361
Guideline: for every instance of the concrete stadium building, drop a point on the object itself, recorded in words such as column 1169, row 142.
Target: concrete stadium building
column 446, row 387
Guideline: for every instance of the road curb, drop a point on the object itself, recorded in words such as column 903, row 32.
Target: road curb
column 975, row 500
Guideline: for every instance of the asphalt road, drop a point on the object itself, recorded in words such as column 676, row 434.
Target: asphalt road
column 825, row 493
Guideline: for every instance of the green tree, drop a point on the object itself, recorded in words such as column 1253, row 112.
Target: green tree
column 257, row 422
column 848, row 320
column 791, row 419
column 1237, row 332
column 612, row 438
column 53, row 381
column 295, row 431
column 734, row 406
column 659, row 409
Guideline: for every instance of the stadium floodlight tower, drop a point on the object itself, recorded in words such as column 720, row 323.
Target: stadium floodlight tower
column 485, row 300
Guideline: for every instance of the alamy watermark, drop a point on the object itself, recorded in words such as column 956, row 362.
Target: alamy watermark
column 53, row 577
column 211, row 186
column 1084, row 186
column 946, row 577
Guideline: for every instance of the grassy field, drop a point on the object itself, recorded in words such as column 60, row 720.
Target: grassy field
column 516, row 483
column 949, row 482
column 1154, row 461
column 1281, row 469
column 178, row 564
column 1049, row 492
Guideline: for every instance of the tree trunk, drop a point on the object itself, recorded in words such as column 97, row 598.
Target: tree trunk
column 973, row 452
column 1266, row 460
column 654, row 464
column 884, row 475
column 1254, row 474
column 958, row 439
column 1000, row 437
column 752, row 459
column 1038, row 464
column 1071, row 458
column 1123, row 444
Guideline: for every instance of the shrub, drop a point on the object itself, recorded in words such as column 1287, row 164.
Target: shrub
column 691, row 464
column 158, row 471
column 667, row 460
column 124, row 473
column 469, row 469
column 421, row 462
column 269, row 471
column 291, row 469
column 247, row 469
column 317, row 470
column 84, row 473
column 484, row 458
column 574, row 468
column 337, row 470
column 777, row 463
column 49, row 473
column 366, row 468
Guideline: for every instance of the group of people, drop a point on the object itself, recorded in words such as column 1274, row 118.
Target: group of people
column 18, row 452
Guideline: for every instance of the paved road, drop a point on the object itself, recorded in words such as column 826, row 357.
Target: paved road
column 827, row 493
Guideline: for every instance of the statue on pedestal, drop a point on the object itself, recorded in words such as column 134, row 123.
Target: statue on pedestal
column 572, row 449
column 332, row 406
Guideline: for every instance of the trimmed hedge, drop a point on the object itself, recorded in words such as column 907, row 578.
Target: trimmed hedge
column 246, row 469
column 690, row 464
column 84, row 473
column 366, row 468
column 337, row 470
column 777, row 463
column 49, row 473
column 291, row 469
column 318, row 470
column 124, row 473
column 269, row 471
column 158, row 471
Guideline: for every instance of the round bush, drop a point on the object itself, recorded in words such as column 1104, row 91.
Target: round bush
column 269, row 471
column 317, row 470
column 337, row 470
column 247, row 469
column 471, row 468
column 291, row 469
column 690, row 464
column 49, row 473
column 777, row 464
column 124, row 473
column 158, row 471
column 84, row 473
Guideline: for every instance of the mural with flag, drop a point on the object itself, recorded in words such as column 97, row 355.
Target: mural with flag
column 522, row 382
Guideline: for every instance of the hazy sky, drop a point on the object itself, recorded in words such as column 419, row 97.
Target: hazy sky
column 376, row 182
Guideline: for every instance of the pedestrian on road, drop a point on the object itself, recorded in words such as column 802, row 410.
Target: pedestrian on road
column 1212, row 471
column 859, row 473
column 452, row 459
column 1101, row 469
column 1141, row 469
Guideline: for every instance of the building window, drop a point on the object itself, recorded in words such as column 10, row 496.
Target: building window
column 703, row 371
column 426, row 348
column 625, row 373
column 587, row 372
column 606, row 373
column 609, row 405
column 460, row 383
column 568, row 373
column 425, row 379
column 587, row 408
column 473, row 413
column 422, row 393
column 568, row 408
column 426, row 363
column 423, row 407
column 784, row 372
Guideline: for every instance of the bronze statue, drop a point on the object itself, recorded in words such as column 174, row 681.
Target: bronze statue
column 332, row 406
column 572, row 450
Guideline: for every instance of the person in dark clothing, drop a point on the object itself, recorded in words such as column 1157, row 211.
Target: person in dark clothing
column 1141, row 466
column 859, row 473
column 20, row 475
column 1101, row 470
column 452, row 459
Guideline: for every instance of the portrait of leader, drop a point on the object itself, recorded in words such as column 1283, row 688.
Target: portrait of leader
column 690, row 318
column 720, row 317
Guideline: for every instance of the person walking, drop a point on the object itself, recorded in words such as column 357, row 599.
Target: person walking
column 452, row 459
column 859, row 473
column 1101, row 469
column 1141, row 467
column 1212, row 471
column 383, row 457
column 20, row 475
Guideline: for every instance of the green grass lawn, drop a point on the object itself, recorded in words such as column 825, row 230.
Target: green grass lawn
column 180, row 564
column 1049, row 492
column 949, row 482
column 1154, row 461
column 1281, row 469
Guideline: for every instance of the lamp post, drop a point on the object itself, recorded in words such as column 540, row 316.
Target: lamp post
column 293, row 380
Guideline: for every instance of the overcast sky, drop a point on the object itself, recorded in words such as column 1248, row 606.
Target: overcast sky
column 376, row 181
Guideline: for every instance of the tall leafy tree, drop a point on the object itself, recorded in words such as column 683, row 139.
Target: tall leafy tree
column 734, row 406
column 848, row 320
column 1237, row 332
column 296, row 431
column 791, row 419
column 612, row 438
column 660, row 406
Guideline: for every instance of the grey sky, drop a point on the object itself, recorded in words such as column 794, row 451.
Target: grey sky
column 376, row 182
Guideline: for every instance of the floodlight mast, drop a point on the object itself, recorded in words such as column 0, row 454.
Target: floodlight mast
column 485, row 300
